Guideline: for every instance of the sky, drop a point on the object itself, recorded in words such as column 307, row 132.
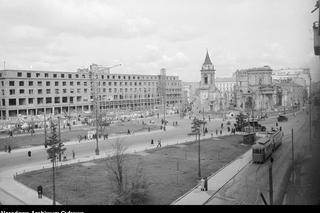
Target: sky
column 147, row 35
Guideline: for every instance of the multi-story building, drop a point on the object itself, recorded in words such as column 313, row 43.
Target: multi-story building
column 29, row 92
column 226, row 86
column 254, row 89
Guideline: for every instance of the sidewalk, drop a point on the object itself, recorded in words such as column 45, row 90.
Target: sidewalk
column 215, row 182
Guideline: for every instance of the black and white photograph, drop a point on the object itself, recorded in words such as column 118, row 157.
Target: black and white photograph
column 159, row 102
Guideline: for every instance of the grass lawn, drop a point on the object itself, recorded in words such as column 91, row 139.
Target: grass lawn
column 87, row 183
column 66, row 135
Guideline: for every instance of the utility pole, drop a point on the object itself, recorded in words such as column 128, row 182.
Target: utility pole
column 45, row 129
column 59, row 136
column 53, row 180
column 310, row 104
column 199, row 167
column 292, row 156
column 270, row 182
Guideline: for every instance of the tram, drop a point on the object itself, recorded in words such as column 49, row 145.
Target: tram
column 264, row 147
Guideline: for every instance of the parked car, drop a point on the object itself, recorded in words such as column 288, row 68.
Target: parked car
column 282, row 118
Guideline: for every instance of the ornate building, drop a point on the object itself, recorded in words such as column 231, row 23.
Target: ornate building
column 254, row 89
column 210, row 97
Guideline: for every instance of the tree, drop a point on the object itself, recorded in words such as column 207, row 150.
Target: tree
column 128, row 191
column 55, row 147
column 195, row 128
column 240, row 122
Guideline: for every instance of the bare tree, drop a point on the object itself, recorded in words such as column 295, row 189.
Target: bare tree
column 130, row 189
column 116, row 166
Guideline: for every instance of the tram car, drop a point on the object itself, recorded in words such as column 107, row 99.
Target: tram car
column 265, row 146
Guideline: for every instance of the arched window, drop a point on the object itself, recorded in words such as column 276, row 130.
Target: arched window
column 205, row 79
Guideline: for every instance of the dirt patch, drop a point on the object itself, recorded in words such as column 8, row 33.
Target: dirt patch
column 170, row 171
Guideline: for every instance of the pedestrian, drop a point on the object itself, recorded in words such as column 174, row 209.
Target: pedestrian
column 280, row 128
column 221, row 132
column 205, row 184
column 128, row 132
column 228, row 129
column 85, row 137
column 211, row 134
column 9, row 149
column 73, row 154
column 276, row 124
column 159, row 143
column 202, row 184
column 221, row 125
column 40, row 192
column 29, row 153
column 151, row 141
column 164, row 128
column 216, row 132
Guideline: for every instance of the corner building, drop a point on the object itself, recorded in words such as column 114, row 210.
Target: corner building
column 29, row 92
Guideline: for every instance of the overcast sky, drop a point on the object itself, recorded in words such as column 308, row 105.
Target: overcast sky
column 146, row 35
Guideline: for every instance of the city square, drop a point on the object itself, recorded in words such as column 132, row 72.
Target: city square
column 201, row 127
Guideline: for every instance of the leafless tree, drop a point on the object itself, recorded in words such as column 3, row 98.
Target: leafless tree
column 130, row 189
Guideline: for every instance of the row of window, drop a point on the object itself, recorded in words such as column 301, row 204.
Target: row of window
column 47, row 100
column 71, row 83
column 70, row 76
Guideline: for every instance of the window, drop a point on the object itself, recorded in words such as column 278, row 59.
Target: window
column 48, row 83
column 64, row 83
column 64, row 99
column 85, row 90
column 21, row 91
column 12, row 102
column 57, row 100
column 39, row 91
column 78, row 90
column 115, row 83
column 19, row 74
column 56, row 91
column 71, row 90
column 22, row 101
column 71, row 83
column 39, row 100
column 21, row 83
column 30, row 100
column 46, row 75
column 12, row 91
column 30, row 83
column 55, row 75
column 84, row 83
column 64, row 90
column 48, row 91
column 78, row 98
column 30, row 91
column 48, row 100
column 78, row 83
column 56, row 83
column 69, row 76
column 28, row 75
column 39, row 83
column 77, row 75
column 110, row 90
column 3, row 102
column 37, row 75
column 62, row 75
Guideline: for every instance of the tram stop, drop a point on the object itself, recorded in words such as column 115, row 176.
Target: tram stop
column 249, row 138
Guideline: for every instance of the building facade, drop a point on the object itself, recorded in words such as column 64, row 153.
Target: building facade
column 226, row 86
column 210, row 97
column 29, row 92
column 254, row 89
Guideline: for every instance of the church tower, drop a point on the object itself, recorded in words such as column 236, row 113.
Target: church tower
column 207, row 74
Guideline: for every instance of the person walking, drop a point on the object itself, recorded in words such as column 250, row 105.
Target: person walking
column 205, row 184
column 40, row 192
column 221, row 132
column 202, row 184
column 151, row 141
column 159, row 143
column 276, row 124
column 9, row 149
column 29, row 154
column 73, row 154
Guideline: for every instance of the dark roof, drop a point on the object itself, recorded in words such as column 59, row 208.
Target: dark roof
column 207, row 60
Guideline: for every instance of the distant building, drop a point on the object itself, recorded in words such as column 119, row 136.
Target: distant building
column 226, row 86
column 30, row 92
column 211, row 98
column 254, row 89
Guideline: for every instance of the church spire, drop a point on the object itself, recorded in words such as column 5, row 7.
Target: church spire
column 207, row 60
